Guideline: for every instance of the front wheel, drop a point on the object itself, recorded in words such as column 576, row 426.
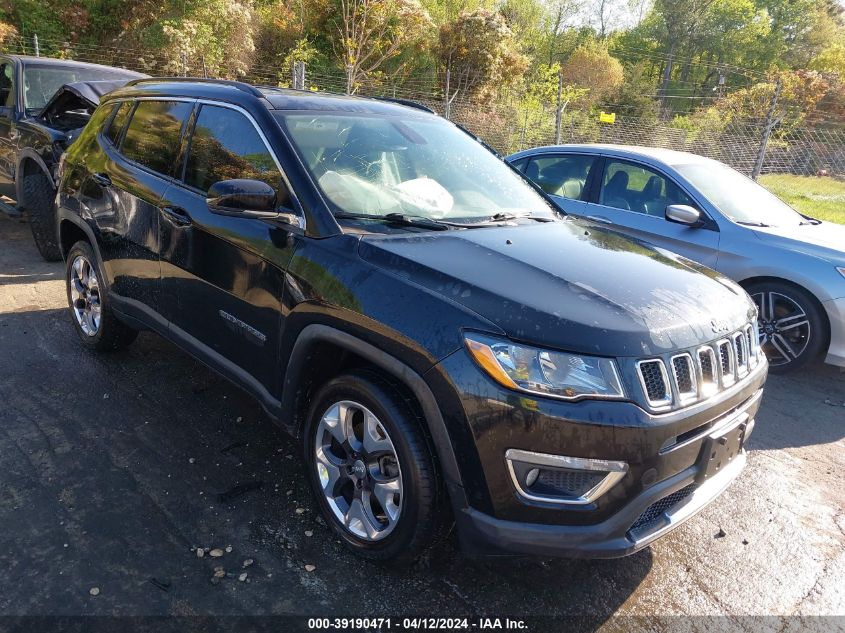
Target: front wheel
column 793, row 331
column 371, row 469
column 38, row 194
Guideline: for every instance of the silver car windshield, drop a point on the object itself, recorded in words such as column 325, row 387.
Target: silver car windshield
column 415, row 165
column 738, row 197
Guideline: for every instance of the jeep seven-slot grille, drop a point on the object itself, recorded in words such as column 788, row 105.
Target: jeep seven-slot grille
column 694, row 376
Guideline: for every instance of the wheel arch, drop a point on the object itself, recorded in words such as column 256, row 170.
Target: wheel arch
column 746, row 283
column 304, row 374
column 29, row 162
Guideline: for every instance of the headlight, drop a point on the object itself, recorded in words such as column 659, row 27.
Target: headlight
column 545, row 372
column 841, row 270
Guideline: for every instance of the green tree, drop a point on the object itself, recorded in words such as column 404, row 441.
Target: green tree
column 481, row 54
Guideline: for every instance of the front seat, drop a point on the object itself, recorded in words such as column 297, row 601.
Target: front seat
column 653, row 201
column 616, row 191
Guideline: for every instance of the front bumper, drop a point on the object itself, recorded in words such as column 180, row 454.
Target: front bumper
column 835, row 309
column 612, row 538
column 665, row 454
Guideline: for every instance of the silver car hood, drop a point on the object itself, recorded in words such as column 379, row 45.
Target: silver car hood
column 825, row 240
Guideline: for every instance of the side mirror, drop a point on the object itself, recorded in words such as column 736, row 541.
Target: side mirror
column 243, row 198
column 683, row 214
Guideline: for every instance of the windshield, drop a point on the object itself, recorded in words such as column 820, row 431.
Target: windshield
column 738, row 197
column 414, row 165
column 40, row 82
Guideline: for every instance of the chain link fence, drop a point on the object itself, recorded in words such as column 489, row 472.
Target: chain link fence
column 807, row 150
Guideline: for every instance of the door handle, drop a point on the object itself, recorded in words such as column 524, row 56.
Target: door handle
column 101, row 179
column 177, row 215
column 599, row 218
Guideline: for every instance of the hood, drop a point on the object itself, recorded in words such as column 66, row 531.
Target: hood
column 72, row 105
column 825, row 240
column 569, row 286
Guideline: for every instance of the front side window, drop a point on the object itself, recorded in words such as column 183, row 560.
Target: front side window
column 634, row 188
column 410, row 163
column 7, row 83
column 154, row 133
column 225, row 145
column 564, row 175
column 118, row 121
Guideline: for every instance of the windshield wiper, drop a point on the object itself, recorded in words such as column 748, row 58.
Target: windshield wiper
column 810, row 220
column 751, row 223
column 397, row 218
column 503, row 217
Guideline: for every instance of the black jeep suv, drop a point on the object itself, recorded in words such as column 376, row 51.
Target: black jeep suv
column 409, row 307
column 38, row 120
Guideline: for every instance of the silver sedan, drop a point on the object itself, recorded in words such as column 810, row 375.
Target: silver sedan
column 792, row 265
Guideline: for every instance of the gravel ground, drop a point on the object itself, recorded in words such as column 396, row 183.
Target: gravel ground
column 111, row 469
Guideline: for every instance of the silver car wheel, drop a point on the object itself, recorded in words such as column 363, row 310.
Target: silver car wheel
column 784, row 327
column 85, row 295
column 358, row 470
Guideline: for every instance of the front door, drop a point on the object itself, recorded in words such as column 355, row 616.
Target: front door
column 223, row 276
column 633, row 198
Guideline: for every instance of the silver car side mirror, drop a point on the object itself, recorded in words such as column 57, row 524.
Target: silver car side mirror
column 683, row 214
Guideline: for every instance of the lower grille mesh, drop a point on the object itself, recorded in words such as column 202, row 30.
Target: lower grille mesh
column 567, row 483
column 652, row 513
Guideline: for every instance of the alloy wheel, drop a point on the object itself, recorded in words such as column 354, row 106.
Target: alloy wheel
column 358, row 470
column 85, row 295
column 784, row 327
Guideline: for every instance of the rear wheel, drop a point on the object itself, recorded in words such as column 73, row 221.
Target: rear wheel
column 792, row 329
column 38, row 200
column 96, row 324
column 371, row 470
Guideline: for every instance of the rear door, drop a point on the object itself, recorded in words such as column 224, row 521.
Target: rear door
column 223, row 276
column 565, row 177
column 633, row 198
column 123, row 191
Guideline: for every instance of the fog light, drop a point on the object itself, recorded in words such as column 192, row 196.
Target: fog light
column 561, row 479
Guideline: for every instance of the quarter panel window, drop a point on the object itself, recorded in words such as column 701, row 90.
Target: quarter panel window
column 562, row 175
column 225, row 145
column 635, row 188
column 118, row 121
column 153, row 136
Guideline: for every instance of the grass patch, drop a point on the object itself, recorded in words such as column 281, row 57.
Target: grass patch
column 820, row 197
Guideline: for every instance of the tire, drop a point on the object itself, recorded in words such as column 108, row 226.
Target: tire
column 383, row 533
column 97, row 326
column 38, row 200
column 793, row 330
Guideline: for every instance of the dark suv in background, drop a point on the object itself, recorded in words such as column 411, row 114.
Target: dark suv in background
column 440, row 340
column 38, row 120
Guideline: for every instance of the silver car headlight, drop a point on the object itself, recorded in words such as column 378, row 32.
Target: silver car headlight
column 545, row 372
column 841, row 270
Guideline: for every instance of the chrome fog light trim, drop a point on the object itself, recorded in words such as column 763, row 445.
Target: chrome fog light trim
column 614, row 471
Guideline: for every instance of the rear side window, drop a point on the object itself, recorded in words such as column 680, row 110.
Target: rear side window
column 225, row 145
column 118, row 121
column 153, row 136
column 563, row 175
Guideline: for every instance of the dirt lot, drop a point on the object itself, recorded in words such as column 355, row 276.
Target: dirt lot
column 111, row 467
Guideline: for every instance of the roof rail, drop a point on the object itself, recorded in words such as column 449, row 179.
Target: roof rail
column 406, row 102
column 240, row 85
